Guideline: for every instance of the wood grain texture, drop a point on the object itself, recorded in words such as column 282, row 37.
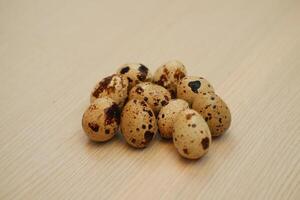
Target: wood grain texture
column 53, row 52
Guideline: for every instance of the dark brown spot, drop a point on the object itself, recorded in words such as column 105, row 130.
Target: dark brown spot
column 207, row 106
column 143, row 103
column 178, row 75
column 137, row 129
column 149, row 112
column 145, row 98
column 212, row 98
column 155, row 104
column 206, row 119
column 163, row 78
column 129, row 79
column 143, row 69
column 175, row 139
column 163, row 115
column 214, row 107
column 194, row 125
column 94, row 126
column 194, row 85
column 205, row 143
column 185, row 151
column 166, row 98
column 163, row 102
column 144, row 126
column 139, row 90
column 107, row 131
column 102, row 86
column 133, row 140
column 148, row 136
column 124, row 70
column 149, row 126
column 189, row 116
column 220, row 120
column 201, row 131
column 113, row 114
column 143, row 72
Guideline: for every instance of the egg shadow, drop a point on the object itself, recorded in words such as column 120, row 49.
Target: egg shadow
column 221, row 138
column 94, row 144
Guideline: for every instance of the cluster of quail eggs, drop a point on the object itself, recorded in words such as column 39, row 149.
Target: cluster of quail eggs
column 177, row 106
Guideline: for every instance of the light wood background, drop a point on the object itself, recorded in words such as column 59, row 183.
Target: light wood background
column 53, row 52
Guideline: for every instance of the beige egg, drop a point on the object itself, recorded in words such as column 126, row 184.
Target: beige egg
column 114, row 87
column 135, row 73
column 155, row 95
column 169, row 74
column 191, row 135
column 138, row 123
column 190, row 86
column 214, row 110
column 167, row 116
column 101, row 120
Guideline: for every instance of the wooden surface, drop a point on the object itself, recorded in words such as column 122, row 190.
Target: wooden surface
column 53, row 52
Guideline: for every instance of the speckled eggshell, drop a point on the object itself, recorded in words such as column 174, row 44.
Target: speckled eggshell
column 138, row 123
column 114, row 87
column 101, row 120
column 191, row 134
column 167, row 116
column 155, row 95
column 169, row 74
column 135, row 73
column 190, row 86
column 214, row 110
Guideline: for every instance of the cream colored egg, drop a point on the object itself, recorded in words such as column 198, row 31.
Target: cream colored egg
column 169, row 74
column 138, row 123
column 101, row 120
column 215, row 112
column 191, row 135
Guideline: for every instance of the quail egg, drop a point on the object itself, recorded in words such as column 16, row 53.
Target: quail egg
column 101, row 120
column 191, row 134
column 214, row 110
column 169, row 74
column 138, row 123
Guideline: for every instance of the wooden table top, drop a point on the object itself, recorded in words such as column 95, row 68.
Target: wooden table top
column 52, row 53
